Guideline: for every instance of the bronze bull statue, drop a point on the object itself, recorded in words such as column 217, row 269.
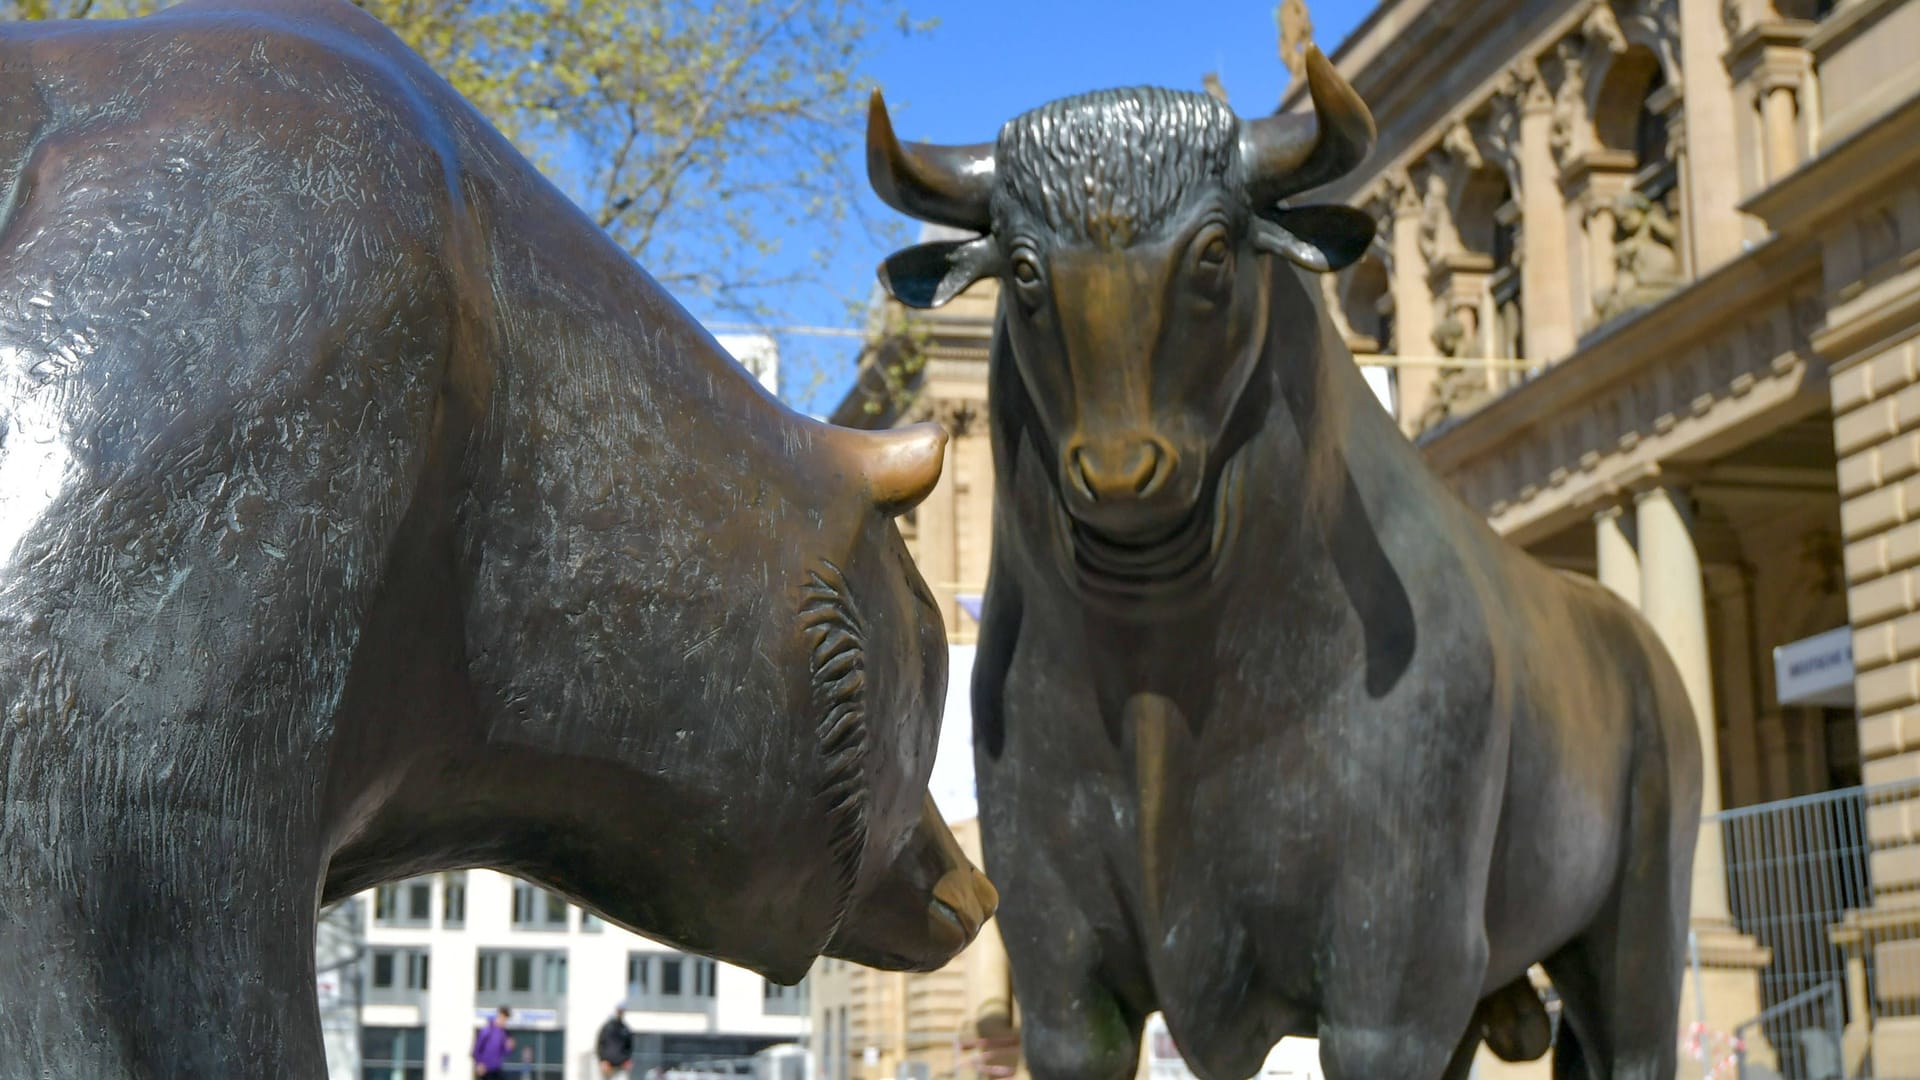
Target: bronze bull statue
column 364, row 511
column 1273, row 733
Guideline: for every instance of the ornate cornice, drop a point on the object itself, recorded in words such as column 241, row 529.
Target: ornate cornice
column 1551, row 450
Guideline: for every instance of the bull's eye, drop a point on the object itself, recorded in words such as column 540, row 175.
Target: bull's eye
column 1025, row 270
column 1212, row 257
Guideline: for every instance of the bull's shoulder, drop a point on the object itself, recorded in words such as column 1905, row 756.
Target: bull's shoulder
column 294, row 68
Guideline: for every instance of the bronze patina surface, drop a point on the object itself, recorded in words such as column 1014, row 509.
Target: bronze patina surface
column 1272, row 732
column 364, row 512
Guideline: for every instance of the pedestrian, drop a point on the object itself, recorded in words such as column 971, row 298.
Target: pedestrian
column 491, row 1045
column 615, row 1043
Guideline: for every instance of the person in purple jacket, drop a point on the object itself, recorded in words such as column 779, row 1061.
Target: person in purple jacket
column 491, row 1045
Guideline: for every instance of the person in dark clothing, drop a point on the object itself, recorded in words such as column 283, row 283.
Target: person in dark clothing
column 615, row 1043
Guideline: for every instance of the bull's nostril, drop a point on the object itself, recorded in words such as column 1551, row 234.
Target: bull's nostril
column 1077, row 470
column 1147, row 476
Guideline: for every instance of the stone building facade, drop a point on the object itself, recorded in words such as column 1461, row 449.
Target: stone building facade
column 1647, row 277
column 1666, row 253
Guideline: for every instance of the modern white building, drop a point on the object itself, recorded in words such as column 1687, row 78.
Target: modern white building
column 758, row 353
column 436, row 955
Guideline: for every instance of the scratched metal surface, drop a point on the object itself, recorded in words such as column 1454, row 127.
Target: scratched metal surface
column 364, row 511
column 1272, row 733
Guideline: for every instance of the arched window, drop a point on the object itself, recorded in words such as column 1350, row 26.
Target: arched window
column 1650, row 127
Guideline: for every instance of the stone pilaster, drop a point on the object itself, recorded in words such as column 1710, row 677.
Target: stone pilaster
column 1412, row 298
column 1546, row 302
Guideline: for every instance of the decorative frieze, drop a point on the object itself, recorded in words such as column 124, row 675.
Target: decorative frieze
column 1600, row 433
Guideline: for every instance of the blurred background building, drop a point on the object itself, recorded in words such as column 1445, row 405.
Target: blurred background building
column 429, row 959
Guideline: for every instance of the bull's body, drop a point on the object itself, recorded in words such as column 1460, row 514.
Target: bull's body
column 1376, row 768
column 1272, row 732
column 365, row 512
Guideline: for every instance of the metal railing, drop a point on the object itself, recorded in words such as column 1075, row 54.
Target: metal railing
column 1800, row 881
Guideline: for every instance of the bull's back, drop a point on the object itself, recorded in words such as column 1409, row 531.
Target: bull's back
column 222, row 319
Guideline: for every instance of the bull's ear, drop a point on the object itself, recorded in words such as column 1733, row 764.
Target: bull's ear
column 1319, row 238
column 929, row 275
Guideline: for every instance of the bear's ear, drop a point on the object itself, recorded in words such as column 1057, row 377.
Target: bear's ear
column 1321, row 238
column 929, row 275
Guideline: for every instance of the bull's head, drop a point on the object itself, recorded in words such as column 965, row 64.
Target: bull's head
column 1130, row 231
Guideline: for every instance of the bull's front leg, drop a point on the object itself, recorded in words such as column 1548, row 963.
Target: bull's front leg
column 1074, row 1025
column 1405, row 960
column 1401, row 1008
column 156, row 939
column 160, row 849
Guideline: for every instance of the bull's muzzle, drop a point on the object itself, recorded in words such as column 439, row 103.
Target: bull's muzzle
column 926, row 907
column 1131, row 488
column 963, row 901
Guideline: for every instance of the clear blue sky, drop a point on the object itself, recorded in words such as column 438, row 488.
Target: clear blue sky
column 989, row 60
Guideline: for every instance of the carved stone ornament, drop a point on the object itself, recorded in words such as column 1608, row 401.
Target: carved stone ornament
column 1296, row 33
column 1459, row 144
column 1459, row 387
column 1569, row 102
column 1501, row 131
column 1436, row 216
column 1646, row 256
column 1601, row 29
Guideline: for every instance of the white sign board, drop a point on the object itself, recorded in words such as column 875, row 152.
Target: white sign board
column 1816, row 670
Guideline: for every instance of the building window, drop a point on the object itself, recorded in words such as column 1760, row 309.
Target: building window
column 397, row 976
column 669, row 982
column 777, row 1000
column 537, row 1055
column 404, row 903
column 590, row 923
column 520, row 978
column 393, row 1053
column 454, row 912
column 534, row 908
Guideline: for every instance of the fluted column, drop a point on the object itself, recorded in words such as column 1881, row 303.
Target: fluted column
column 1673, row 599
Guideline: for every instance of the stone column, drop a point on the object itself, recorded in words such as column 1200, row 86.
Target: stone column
column 1673, row 598
column 1712, row 182
column 1619, row 560
column 1780, row 117
column 1730, row 589
column 1546, row 295
column 1412, row 302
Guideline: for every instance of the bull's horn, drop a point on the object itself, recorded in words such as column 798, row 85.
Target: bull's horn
column 903, row 465
column 947, row 185
column 1288, row 154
